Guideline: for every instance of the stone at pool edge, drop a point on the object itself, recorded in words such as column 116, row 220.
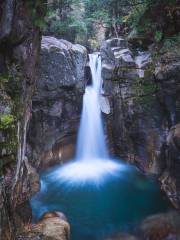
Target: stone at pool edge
column 51, row 226
column 163, row 226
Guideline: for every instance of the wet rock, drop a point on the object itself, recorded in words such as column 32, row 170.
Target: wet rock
column 19, row 52
column 170, row 184
column 162, row 226
column 105, row 105
column 53, row 214
column 50, row 227
column 134, row 128
column 57, row 102
column 173, row 138
column 137, row 116
column 170, row 178
column 144, row 99
column 6, row 221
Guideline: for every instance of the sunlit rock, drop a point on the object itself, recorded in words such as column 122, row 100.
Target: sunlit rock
column 142, row 60
column 105, row 105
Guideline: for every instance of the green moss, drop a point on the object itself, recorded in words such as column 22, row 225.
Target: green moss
column 171, row 44
column 145, row 91
column 10, row 146
column 3, row 79
column 168, row 50
column 6, row 121
column 11, row 84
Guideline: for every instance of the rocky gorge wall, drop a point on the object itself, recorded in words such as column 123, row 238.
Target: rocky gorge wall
column 19, row 52
column 57, row 102
column 40, row 107
column 50, row 94
column 145, row 104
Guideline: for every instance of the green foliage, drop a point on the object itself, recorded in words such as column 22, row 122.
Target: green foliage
column 69, row 26
column 65, row 19
column 102, row 16
column 135, row 16
column 77, row 26
column 6, row 121
column 36, row 10
column 70, row 17
column 154, row 19
column 13, row 84
column 172, row 42
column 158, row 36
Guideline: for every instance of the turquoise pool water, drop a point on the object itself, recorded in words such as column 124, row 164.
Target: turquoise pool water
column 98, row 211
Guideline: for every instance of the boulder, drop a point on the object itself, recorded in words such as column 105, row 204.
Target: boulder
column 162, row 226
column 57, row 102
column 62, row 66
column 116, row 57
column 50, row 227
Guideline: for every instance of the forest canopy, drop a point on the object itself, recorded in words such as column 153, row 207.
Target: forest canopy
column 82, row 20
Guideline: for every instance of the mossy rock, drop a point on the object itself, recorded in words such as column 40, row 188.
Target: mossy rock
column 7, row 121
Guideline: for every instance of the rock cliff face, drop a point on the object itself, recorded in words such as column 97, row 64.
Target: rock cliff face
column 145, row 104
column 57, row 102
column 19, row 51
column 144, row 121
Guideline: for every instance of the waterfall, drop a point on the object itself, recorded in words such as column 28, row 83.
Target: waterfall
column 91, row 139
column 92, row 163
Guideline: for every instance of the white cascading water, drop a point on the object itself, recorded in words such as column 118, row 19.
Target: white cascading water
column 92, row 163
column 91, row 140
